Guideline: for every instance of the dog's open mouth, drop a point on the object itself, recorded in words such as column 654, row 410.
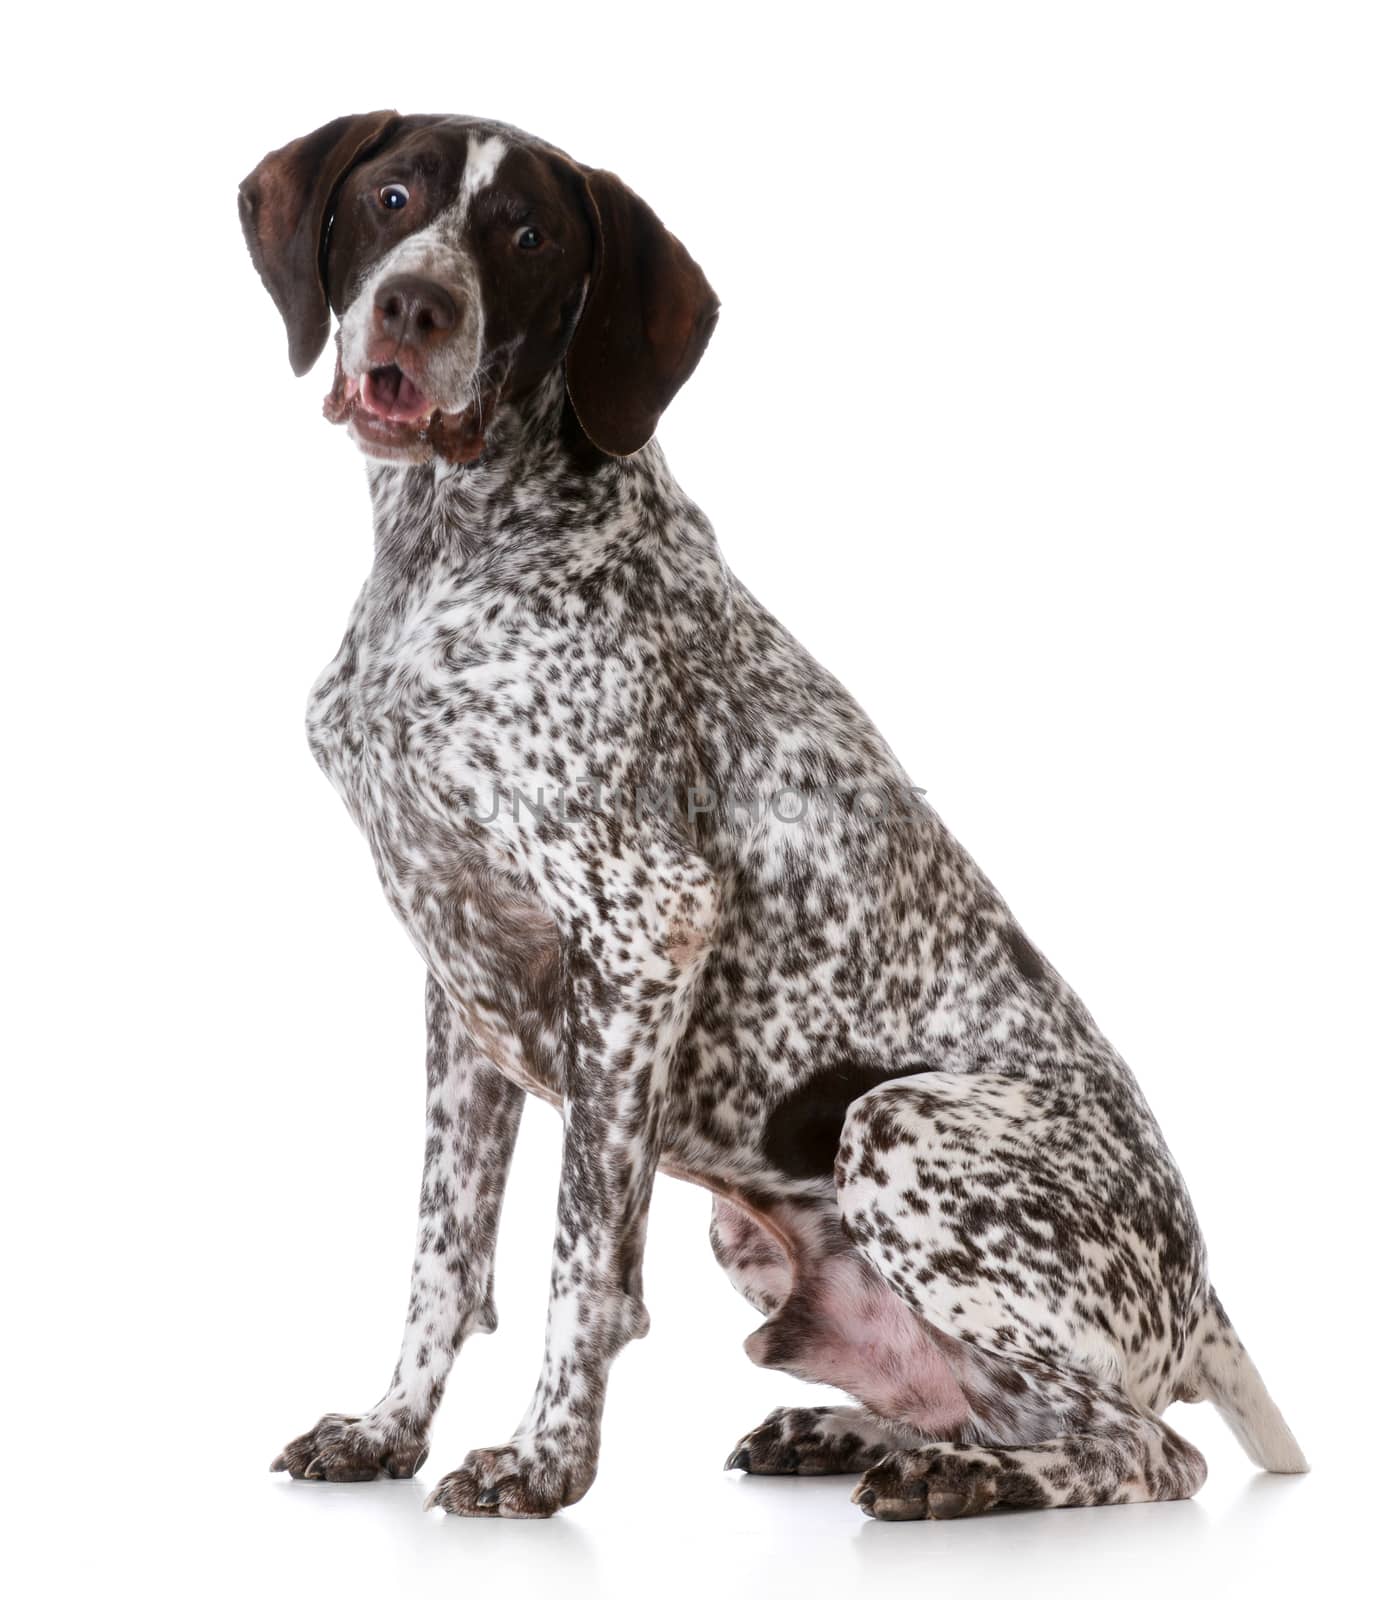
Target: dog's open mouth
column 392, row 418
column 387, row 393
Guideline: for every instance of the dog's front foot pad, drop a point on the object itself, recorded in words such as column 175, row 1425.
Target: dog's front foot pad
column 512, row 1481
column 814, row 1441
column 944, row 1481
column 340, row 1449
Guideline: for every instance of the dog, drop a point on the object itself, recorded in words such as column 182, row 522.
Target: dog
column 665, row 874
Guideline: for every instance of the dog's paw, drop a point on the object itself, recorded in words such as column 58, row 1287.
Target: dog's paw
column 938, row 1482
column 342, row 1449
column 530, row 1477
column 814, row 1441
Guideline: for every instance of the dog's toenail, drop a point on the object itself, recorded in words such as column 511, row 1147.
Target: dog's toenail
column 488, row 1497
column 739, row 1461
column 866, row 1498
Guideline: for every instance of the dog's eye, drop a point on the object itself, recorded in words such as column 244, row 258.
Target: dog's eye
column 393, row 196
column 528, row 238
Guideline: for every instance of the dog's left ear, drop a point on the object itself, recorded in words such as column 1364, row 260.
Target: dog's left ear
column 285, row 206
column 646, row 319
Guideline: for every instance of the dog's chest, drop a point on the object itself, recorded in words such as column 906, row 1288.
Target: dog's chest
column 409, row 722
column 396, row 721
column 376, row 718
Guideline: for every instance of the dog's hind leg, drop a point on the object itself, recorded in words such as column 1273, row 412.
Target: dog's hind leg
column 1040, row 1225
column 1131, row 1459
column 472, row 1116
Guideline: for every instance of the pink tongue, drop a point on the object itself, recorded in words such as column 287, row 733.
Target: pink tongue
column 390, row 394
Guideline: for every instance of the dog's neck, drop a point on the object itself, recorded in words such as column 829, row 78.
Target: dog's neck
column 540, row 508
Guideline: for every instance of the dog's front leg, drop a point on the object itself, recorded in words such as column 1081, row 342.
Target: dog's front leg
column 638, row 922
column 472, row 1114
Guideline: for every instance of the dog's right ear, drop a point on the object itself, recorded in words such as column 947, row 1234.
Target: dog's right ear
column 286, row 204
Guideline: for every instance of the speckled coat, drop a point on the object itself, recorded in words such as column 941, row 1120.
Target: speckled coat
column 663, row 873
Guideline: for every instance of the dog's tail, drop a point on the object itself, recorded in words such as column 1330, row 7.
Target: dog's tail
column 1220, row 1370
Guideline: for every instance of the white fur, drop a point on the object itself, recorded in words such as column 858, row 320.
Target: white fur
column 484, row 157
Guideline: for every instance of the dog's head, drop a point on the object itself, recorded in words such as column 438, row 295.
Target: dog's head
column 465, row 260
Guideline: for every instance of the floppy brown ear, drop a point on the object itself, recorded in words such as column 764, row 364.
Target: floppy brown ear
column 285, row 206
column 647, row 317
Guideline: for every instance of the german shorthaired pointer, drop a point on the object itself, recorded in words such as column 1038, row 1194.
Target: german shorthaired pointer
column 665, row 874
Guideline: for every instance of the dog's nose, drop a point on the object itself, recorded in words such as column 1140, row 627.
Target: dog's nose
column 414, row 310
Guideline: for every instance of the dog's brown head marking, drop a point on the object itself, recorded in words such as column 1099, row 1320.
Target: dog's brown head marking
column 465, row 260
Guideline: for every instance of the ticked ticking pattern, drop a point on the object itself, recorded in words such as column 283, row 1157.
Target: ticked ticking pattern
column 665, row 874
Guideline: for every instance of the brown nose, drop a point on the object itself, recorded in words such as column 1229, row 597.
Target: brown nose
column 414, row 310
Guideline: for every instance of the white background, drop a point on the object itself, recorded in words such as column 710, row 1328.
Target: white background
column 1048, row 408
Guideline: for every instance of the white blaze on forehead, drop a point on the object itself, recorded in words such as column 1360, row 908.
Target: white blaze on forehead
column 484, row 157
